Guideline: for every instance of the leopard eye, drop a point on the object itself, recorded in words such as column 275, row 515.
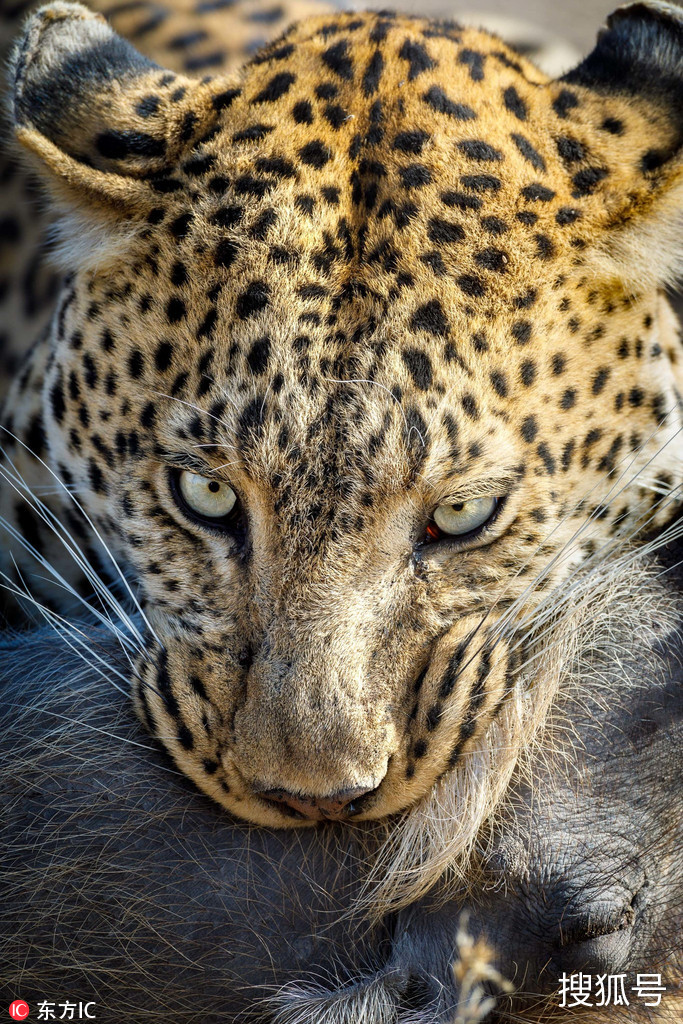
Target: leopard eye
column 206, row 497
column 465, row 516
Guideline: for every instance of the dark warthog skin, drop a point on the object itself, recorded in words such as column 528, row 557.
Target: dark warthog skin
column 587, row 872
column 123, row 885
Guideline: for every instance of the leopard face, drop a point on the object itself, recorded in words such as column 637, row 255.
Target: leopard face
column 359, row 362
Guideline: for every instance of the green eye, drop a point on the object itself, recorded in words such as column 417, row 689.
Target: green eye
column 464, row 517
column 206, row 497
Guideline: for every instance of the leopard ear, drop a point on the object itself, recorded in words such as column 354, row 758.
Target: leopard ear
column 631, row 90
column 105, row 126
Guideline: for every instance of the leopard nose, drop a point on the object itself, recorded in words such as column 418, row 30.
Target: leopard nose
column 331, row 808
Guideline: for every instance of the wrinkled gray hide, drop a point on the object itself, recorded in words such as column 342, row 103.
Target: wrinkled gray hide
column 586, row 873
column 124, row 885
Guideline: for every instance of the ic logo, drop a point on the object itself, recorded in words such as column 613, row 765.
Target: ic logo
column 19, row 1009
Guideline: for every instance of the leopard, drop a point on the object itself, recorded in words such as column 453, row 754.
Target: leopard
column 360, row 362
column 193, row 38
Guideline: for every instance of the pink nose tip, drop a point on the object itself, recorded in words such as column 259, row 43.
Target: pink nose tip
column 332, row 808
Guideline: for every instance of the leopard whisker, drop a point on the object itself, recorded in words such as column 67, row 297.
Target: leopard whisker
column 583, row 527
column 71, row 545
column 547, row 608
column 63, row 584
column 66, row 629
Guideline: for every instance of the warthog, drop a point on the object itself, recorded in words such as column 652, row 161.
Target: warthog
column 126, row 887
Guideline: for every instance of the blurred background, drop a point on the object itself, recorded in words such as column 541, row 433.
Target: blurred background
column 575, row 21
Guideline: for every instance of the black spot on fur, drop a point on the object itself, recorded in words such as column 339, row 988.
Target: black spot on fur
column 444, row 232
column 219, row 184
column 259, row 355
column 567, row 215
column 117, row 145
column 570, row 149
column 438, row 100
column 253, row 300
column 477, row 149
column 411, row 142
column 275, row 165
column 600, row 379
column 166, row 185
column 148, row 106
column 527, row 217
column 57, row 402
column 529, row 429
column 315, row 154
column 481, row 182
column 495, row 225
column 338, row 60
column 499, row 382
column 254, row 133
column 185, row 737
column 521, row 331
column 527, row 300
column 528, row 151
column 175, row 310
column 538, row 193
column 227, row 216
column 263, row 223
column 492, row 259
column 514, row 103
column 415, row 176
column 586, row 181
column 302, row 112
column 372, row 76
column 565, row 102
column 178, row 274
column 419, row 366
column 335, row 115
column 613, row 125
column 198, row 166
column 469, row 404
column 472, row 285
column 180, row 226
column 136, row 363
column 224, row 99
column 163, row 355
column 225, row 253
column 251, row 420
column 527, row 373
column 545, row 247
column 276, row 88
column 97, row 481
column 546, row 458
column 417, row 57
column 475, row 62
column 430, row 317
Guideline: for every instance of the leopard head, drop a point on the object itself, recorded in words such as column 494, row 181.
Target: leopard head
column 361, row 357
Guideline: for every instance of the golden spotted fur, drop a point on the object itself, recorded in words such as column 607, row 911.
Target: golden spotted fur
column 387, row 267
